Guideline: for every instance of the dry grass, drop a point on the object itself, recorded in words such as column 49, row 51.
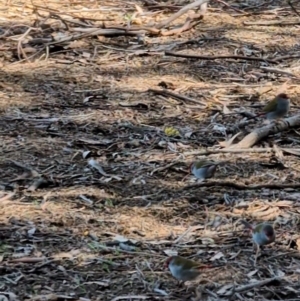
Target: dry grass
column 88, row 234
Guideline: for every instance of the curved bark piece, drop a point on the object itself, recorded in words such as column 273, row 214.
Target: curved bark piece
column 267, row 130
column 201, row 3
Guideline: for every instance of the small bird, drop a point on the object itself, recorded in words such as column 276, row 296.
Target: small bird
column 184, row 269
column 276, row 108
column 262, row 234
column 203, row 169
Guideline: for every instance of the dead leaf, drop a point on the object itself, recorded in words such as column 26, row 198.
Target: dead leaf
column 31, row 232
column 139, row 9
column 87, row 200
column 12, row 296
column 207, row 241
column 127, row 247
column 86, row 54
column 291, row 151
column 87, row 99
column 85, row 154
column 226, row 110
column 172, row 147
column 170, row 252
column 283, row 87
column 95, row 164
column 280, row 273
column 217, row 256
column 123, row 239
column 252, row 273
column 278, row 153
column 95, row 142
column 220, row 129
column 225, row 290
column 160, row 291
column 104, row 283
column 137, row 105
column 228, row 143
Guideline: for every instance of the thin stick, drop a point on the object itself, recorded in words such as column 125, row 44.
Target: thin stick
column 233, row 8
column 286, row 57
column 130, row 297
column 210, row 57
column 181, row 12
column 240, row 186
column 293, row 8
column 272, row 23
column 172, row 94
column 275, row 70
column 256, row 254
column 250, row 286
column 239, row 150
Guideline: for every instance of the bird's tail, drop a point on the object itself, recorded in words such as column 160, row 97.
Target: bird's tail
column 247, row 225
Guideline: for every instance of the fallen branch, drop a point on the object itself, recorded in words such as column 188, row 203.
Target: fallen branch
column 293, row 8
column 287, row 57
column 250, row 286
column 233, row 8
column 240, row 186
column 267, row 130
column 135, row 28
column 130, row 297
column 177, row 96
column 21, row 40
column 160, row 169
column 183, row 11
column 295, row 151
column 215, row 57
column 189, row 23
column 104, row 32
column 275, row 70
column 272, row 23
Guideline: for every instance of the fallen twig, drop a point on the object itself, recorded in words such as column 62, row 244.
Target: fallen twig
column 240, row 186
column 28, row 259
column 215, row 57
column 272, row 23
column 6, row 197
column 32, row 172
column 190, row 23
column 267, row 130
column 160, row 169
column 119, row 250
column 233, row 8
column 275, row 70
column 21, row 39
column 130, row 297
column 287, row 57
column 174, row 95
column 239, row 150
column 181, row 12
column 293, row 8
column 247, row 287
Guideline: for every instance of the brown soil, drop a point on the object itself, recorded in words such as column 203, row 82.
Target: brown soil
column 95, row 188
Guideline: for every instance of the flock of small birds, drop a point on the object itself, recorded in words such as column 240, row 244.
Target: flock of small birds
column 275, row 109
column 262, row 234
column 184, row 269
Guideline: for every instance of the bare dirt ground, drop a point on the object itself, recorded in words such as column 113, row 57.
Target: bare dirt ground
column 95, row 183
